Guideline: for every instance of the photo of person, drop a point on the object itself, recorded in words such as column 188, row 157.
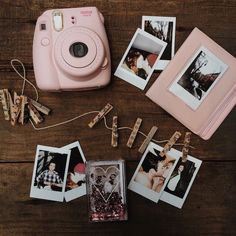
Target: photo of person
column 140, row 62
column 180, row 181
column 50, row 171
column 49, row 179
column 164, row 29
column 111, row 185
column 153, row 172
column 180, row 178
column 140, row 58
column 75, row 182
column 198, row 78
column 106, row 179
column 106, row 190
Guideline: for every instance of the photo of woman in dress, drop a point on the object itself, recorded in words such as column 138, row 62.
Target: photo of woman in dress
column 180, row 178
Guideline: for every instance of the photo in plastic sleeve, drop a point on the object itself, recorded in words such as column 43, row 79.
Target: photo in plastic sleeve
column 75, row 182
column 196, row 80
column 106, row 189
column 49, row 174
column 163, row 28
column 181, row 180
column 140, row 59
column 153, row 172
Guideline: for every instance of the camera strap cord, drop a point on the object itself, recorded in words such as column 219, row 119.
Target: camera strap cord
column 25, row 80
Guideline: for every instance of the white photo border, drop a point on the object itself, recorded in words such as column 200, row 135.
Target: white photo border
column 183, row 94
column 42, row 193
column 81, row 190
column 129, row 76
column 142, row 190
column 163, row 63
column 177, row 201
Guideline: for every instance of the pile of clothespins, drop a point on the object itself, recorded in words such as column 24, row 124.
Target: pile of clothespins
column 19, row 108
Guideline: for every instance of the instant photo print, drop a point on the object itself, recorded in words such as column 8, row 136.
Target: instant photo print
column 198, row 86
column 163, row 28
column 181, row 180
column 140, row 59
column 153, row 172
column 49, row 174
column 106, row 190
column 75, row 181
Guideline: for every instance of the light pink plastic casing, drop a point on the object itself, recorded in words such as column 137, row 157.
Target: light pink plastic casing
column 54, row 67
column 219, row 102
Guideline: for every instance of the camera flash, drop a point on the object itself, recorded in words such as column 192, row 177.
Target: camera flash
column 57, row 17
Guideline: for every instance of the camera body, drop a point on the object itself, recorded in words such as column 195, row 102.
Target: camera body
column 70, row 50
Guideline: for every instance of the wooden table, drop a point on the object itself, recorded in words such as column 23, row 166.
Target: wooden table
column 210, row 207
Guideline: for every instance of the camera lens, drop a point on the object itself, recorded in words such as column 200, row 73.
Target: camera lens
column 78, row 49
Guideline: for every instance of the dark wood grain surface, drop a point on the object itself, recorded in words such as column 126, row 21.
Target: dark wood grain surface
column 211, row 205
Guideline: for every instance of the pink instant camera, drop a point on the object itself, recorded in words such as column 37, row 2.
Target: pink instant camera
column 70, row 50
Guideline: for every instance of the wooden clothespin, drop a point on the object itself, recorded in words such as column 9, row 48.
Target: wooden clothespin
column 4, row 96
column 34, row 114
column 148, row 139
column 45, row 110
column 100, row 115
column 186, row 146
column 114, row 134
column 134, row 132
column 15, row 107
column 24, row 101
column 170, row 143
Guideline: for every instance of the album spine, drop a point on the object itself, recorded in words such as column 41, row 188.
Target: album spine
column 219, row 115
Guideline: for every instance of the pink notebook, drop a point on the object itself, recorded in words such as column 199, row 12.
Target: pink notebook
column 198, row 87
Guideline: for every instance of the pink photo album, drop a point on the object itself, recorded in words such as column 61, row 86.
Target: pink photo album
column 198, row 86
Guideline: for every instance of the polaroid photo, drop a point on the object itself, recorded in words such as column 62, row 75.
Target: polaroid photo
column 106, row 189
column 181, row 180
column 163, row 28
column 198, row 77
column 75, row 182
column 49, row 174
column 140, row 59
column 153, row 172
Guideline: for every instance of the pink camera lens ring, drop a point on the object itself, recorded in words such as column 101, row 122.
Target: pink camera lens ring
column 82, row 61
column 79, row 66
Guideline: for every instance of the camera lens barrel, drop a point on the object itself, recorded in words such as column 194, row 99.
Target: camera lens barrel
column 78, row 49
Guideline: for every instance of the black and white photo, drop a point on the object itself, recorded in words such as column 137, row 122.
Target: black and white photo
column 50, row 172
column 153, row 172
column 181, row 181
column 140, row 59
column 197, row 79
column 163, row 28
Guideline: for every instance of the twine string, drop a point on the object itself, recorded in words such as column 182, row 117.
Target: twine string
column 23, row 77
column 76, row 117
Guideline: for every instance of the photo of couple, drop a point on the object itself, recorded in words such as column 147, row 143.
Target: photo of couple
column 140, row 62
column 140, row 59
column 105, row 181
column 106, row 190
column 154, row 171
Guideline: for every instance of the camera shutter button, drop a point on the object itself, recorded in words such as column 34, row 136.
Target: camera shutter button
column 45, row 42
